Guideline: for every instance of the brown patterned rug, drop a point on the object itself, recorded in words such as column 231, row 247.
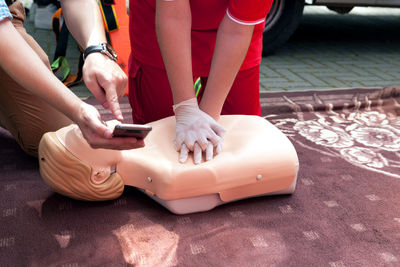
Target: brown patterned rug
column 345, row 210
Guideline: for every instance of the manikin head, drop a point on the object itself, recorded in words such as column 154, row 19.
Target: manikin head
column 95, row 178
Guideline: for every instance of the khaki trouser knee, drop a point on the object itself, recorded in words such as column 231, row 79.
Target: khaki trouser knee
column 24, row 114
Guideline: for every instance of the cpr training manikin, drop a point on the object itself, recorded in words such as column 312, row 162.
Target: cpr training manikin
column 257, row 159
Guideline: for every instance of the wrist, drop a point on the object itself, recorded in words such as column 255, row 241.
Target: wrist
column 95, row 58
column 211, row 108
column 103, row 48
column 214, row 113
column 78, row 112
column 189, row 103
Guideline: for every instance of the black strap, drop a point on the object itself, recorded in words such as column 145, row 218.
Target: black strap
column 62, row 42
column 92, row 49
column 109, row 2
column 10, row 2
column 109, row 15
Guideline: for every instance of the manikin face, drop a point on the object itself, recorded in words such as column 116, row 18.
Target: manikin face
column 102, row 161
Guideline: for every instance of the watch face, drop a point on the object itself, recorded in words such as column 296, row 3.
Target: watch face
column 111, row 51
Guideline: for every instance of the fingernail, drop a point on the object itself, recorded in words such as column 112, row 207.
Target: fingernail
column 119, row 116
column 182, row 158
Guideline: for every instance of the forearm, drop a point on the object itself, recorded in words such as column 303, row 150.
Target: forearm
column 173, row 28
column 26, row 68
column 84, row 21
column 231, row 47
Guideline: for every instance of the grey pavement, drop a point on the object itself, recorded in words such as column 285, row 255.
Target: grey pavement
column 328, row 51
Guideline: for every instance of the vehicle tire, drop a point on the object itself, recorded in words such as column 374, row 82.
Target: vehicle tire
column 281, row 22
column 341, row 9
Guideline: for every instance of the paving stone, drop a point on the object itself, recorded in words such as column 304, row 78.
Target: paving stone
column 360, row 49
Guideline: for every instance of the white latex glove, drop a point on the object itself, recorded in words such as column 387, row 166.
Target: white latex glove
column 196, row 131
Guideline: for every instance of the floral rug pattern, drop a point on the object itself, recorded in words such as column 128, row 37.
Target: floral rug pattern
column 365, row 133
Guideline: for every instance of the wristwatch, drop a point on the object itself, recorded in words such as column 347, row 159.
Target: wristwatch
column 103, row 48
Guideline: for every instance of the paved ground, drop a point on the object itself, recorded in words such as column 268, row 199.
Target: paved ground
column 360, row 49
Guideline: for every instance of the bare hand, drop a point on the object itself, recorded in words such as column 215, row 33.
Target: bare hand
column 98, row 134
column 106, row 80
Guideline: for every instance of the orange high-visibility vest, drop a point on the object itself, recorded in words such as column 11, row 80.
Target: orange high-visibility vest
column 116, row 23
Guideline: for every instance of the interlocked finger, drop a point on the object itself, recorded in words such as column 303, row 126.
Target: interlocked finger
column 184, row 152
column 209, row 152
column 197, row 153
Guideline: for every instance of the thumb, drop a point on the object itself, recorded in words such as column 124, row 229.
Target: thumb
column 218, row 129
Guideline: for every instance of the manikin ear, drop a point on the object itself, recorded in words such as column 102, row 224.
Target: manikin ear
column 100, row 175
column 71, row 177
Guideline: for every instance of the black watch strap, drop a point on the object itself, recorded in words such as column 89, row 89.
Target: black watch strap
column 10, row 2
column 103, row 48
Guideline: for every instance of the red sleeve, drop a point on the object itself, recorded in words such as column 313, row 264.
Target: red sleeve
column 249, row 12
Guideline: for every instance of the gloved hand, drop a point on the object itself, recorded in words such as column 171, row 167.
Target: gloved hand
column 196, row 131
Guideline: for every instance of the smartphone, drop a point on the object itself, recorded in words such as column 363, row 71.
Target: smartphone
column 138, row 131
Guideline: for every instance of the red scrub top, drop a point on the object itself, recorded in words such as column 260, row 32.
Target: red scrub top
column 206, row 17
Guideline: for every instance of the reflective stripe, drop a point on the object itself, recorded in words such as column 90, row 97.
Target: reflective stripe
column 197, row 86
